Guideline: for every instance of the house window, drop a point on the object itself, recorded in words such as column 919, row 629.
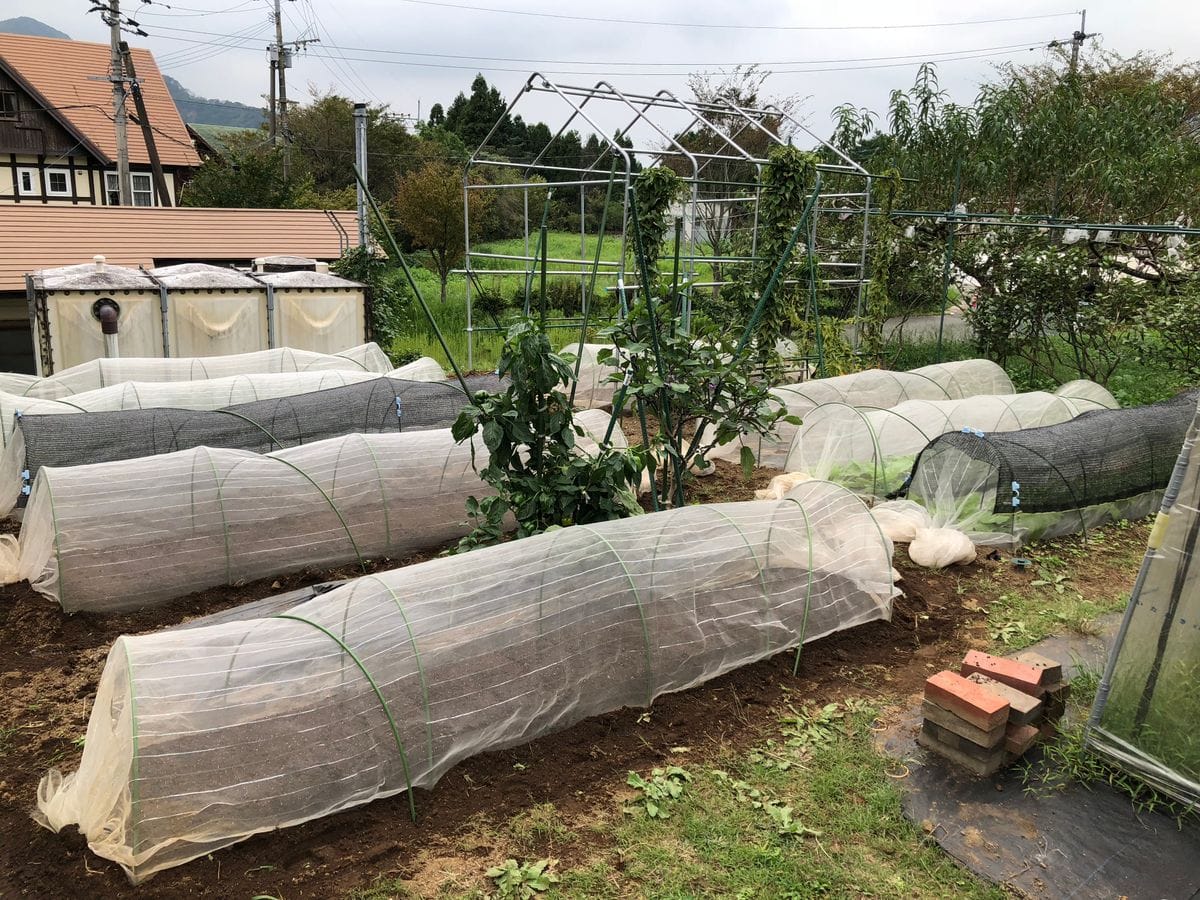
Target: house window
column 143, row 189
column 58, row 182
column 8, row 104
column 27, row 182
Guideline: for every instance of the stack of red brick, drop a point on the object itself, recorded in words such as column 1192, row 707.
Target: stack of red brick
column 992, row 711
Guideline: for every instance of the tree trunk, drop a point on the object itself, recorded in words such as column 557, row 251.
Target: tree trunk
column 444, row 279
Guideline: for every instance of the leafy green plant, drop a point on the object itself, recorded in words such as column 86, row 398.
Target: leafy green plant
column 660, row 789
column 685, row 379
column 813, row 727
column 522, row 880
column 390, row 296
column 779, row 814
column 539, row 475
column 657, row 189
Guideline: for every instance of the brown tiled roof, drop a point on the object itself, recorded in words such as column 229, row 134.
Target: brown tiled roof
column 42, row 236
column 62, row 75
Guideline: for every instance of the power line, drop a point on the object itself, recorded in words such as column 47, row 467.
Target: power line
column 949, row 56
column 609, row 62
column 740, row 26
column 191, row 12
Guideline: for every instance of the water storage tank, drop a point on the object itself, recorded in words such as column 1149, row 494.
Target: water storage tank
column 194, row 309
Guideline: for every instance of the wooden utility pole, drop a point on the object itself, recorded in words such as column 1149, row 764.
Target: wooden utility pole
column 1077, row 40
column 281, row 64
column 117, row 76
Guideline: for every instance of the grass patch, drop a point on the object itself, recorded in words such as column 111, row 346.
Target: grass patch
column 831, row 825
column 1020, row 618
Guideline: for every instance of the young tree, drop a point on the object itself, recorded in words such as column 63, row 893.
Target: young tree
column 429, row 208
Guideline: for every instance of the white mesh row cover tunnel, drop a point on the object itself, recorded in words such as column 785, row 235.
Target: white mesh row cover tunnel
column 871, row 450
column 201, row 737
column 1008, row 488
column 377, row 405
column 100, row 373
column 136, row 532
column 1148, row 703
column 879, row 388
column 593, row 389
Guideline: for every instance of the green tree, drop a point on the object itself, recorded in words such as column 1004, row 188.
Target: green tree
column 429, row 209
column 250, row 174
column 322, row 134
column 1114, row 142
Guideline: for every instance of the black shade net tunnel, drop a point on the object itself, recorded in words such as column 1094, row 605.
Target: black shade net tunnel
column 376, row 406
column 1012, row 487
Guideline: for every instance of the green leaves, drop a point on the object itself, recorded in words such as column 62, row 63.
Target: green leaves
column 522, row 880
column 663, row 786
column 534, row 465
column 692, row 380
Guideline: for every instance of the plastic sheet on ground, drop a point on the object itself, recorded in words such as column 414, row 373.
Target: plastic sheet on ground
column 871, row 450
column 1007, row 488
column 393, row 679
column 99, row 373
column 874, row 387
column 129, row 534
column 378, row 405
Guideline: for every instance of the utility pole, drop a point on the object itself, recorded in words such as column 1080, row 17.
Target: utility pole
column 271, row 101
column 360, row 159
column 1077, row 40
column 281, row 65
column 117, row 76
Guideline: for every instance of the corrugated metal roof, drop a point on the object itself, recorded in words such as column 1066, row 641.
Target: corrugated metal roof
column 62, row 72
column 42, row 236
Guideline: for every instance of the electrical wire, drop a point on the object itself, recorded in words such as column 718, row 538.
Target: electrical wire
column 651, row 63
column 740, row 26
column 958, row 56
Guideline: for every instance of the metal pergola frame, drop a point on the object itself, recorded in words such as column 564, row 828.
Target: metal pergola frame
column 719, row 118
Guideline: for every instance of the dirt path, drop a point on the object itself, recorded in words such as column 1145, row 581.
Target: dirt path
column 49, row 664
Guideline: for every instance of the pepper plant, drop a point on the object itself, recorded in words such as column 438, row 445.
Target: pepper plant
column 539, row 475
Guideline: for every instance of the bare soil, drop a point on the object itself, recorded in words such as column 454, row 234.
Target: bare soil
column 50, row 664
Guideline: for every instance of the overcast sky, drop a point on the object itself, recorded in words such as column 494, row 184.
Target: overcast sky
column 363, row 44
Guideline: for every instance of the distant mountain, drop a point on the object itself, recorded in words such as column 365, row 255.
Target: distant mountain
column 192, row 107
column 195, row 108
column 31, row 27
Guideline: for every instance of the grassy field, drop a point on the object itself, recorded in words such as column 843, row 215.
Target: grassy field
column 451, row 316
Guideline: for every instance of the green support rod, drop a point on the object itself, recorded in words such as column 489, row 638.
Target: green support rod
column 397, row 256
column 767, row 293
column 540, row 251
column 644, row 273
column 586, row 299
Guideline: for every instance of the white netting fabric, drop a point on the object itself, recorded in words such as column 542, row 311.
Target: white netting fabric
column 872, row 450
column 594, row 389
column 874, row 388
column 99, row 373
column 392, row 679
column 136, row 532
